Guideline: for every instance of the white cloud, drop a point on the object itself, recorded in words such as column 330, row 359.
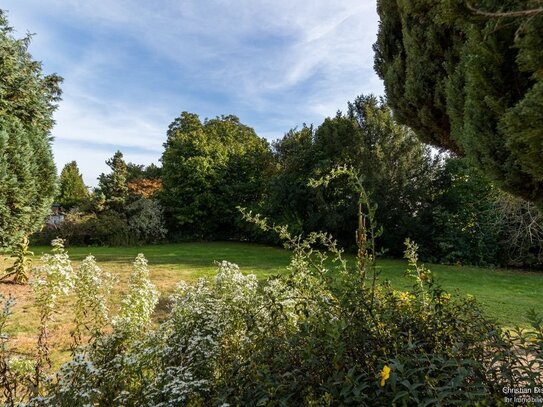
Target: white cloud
column 130, row 66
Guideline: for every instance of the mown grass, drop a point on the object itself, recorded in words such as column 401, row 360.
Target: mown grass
column 506, row 295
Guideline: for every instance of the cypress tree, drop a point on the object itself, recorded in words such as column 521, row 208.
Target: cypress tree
column 468, row 77
column 27, row 172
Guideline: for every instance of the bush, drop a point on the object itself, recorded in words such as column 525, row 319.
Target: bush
column 146, row 221
column 74, row 230
column 141, row 224
column 324, row 334
column 107, row 228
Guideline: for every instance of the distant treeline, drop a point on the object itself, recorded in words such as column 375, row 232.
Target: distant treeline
column 211, row 168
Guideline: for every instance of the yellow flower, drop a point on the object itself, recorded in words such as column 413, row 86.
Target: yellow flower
column 385, row 374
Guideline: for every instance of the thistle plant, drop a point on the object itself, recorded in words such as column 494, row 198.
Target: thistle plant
column 91, row 288
column 22, row 265
column 52, row 281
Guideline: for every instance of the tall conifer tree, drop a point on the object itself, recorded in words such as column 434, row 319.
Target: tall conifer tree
column 467, row 76
column 27, row 172
column 72, row 189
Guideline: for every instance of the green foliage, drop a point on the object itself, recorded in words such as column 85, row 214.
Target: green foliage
column 25, row 93
column 108, row 229
column 92, row 288
column 146, row 221
column 317, row 335
column 20, row 270
column 469, row 221
column 27, row 172
column 208, row 169
column 72, row 189
column 459, row 221
column 520, row 227
column 114, row 185
column 142, row 222
column 139, row 171
column 27, row 180
column 466, row 77
column 111, row 216
column 397, row 172
column 83, row 382
column 139, row 303
column 291, row 200
column 74, row 230
column 52, row 281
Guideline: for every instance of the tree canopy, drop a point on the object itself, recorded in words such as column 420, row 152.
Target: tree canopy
column 114, row 185
column 209, row 168
column 397, row 170
column 468, row 77
column 27, row 171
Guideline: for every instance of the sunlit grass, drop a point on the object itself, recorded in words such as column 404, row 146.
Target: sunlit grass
column 506, row 295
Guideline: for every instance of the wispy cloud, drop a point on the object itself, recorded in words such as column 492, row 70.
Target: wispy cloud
column 131, row 66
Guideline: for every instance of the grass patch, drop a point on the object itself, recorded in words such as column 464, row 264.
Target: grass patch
column 506, row 295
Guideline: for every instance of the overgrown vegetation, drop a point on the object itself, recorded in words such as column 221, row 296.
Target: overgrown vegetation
column 72, row 191
column 19, row 272
column 323, row 333
column 398, row 174
column 25, row 379
column 117, row 213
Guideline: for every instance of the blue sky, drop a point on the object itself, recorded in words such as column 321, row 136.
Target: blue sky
column 131, row 66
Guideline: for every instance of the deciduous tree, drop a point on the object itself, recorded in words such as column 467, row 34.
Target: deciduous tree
column 209, row 168
column 397, row 171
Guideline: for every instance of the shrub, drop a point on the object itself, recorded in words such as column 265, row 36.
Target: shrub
column 146, row 221
column 141, row 223
column 323, row 334
column 75, row 230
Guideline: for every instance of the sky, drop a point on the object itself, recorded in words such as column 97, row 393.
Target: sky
column 131, row 66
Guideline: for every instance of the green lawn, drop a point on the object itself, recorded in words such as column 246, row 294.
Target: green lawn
column 505, row 294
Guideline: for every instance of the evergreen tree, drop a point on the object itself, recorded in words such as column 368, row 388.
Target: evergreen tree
column 72, row 190
column 140, row 171
column 114, row 185
column 467, row 77
column 27, row 172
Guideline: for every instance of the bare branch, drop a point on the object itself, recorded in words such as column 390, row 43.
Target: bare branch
column 520, row 13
